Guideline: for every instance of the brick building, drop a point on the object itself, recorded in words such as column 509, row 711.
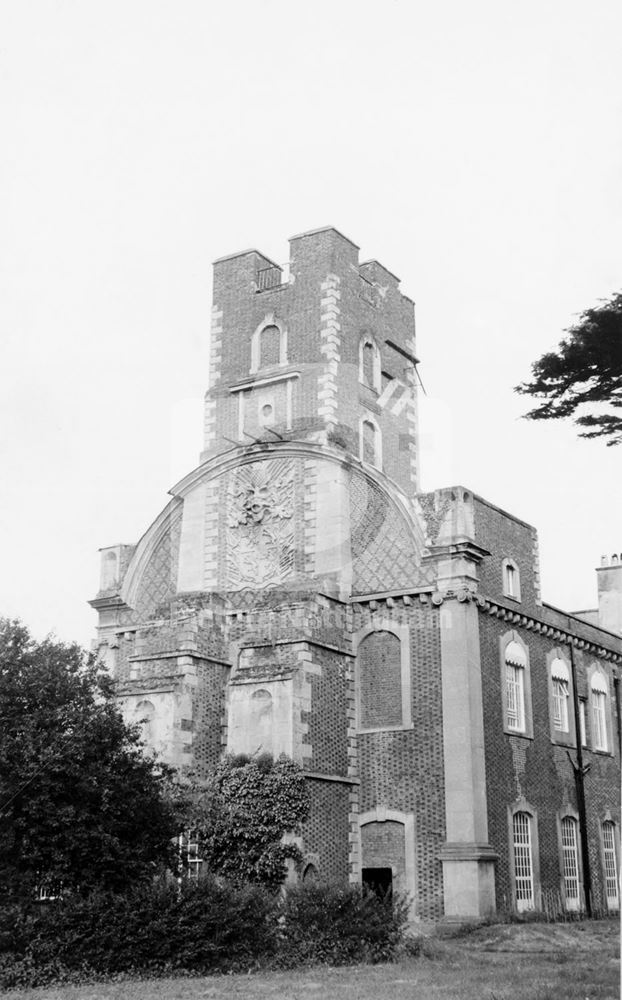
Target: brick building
column 298, row 594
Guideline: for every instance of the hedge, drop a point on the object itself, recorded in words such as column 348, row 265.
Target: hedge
column 198, row 927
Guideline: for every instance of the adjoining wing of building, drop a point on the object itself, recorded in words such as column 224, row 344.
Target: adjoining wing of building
column 299, row 595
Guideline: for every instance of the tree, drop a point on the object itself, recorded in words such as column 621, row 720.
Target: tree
column 240, row 814
column 586, row 370
column 80, row 803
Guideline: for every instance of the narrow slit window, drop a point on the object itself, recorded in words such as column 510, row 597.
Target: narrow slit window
column 511, row 579
column 369, row 364
column 370, row 445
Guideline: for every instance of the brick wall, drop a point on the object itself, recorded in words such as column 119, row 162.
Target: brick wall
column 506, row 537
column 328, row 305
column 325, row 834
column 380, row 680
column 403, row 770
column 538, row 769
column 383, row 846
column 326, row 721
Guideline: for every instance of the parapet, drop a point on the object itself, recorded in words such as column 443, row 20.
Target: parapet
column 373, row 270
column 114, row 562
column 325, row 249
column 610, row 562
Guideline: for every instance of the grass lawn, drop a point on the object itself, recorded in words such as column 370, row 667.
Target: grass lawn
column 504, row 962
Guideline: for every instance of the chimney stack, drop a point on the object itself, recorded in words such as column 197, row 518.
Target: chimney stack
column 609, row 575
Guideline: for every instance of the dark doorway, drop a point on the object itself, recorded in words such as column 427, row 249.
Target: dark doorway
column 379, row 881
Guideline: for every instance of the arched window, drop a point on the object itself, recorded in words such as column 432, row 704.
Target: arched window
column 268, row 345
column 369, row 363
column 370, row 445
column 522, row 844
column 598, row 694
column 570, row 862
column 310, row 874
column 261, row 720
column 560, row 690
column 383, row 677
column 610, row 864
column 515, row 665
column 145, row 715
column 511, row 579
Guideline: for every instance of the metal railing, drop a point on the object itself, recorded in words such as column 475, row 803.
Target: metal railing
column 268, row 277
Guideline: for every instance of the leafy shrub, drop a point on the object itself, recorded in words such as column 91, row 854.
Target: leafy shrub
column 339, row 925
column 202, row 926
column 82, row 803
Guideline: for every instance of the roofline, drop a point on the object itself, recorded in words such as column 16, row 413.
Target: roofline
column 575, row 617
column 324, row 229
column 506, row 513
column 245, row 253
column 374, row 260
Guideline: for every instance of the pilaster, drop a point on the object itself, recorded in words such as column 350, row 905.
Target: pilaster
column 468, row 860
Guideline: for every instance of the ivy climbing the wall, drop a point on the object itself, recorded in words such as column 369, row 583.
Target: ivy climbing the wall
column 240, row 814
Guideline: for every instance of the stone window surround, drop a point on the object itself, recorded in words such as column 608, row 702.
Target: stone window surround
column 367, row 418
column 594, row 669
column 366, row 339
column 527, row 731
column 565, row 737
column 521, row 805
column 608, row 818
column 506, row 566
column 243, row 388
column 381, row 814
column 569, row 812
column 402, row 633
column 268, row 320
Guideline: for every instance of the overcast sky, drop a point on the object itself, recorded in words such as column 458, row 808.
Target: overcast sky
column 474, row 149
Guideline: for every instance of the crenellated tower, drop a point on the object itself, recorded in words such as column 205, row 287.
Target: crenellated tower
column 324, row 354
column 298, row 595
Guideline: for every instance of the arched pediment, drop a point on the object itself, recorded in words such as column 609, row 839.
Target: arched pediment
column 295, row 515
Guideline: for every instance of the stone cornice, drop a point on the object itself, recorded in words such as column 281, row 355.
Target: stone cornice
column 464, row 547
column 257, row 380
column 341, row 778
column 177, row 654
column 247, row 642
column 403, row 594
column 555, row 632
column 497, row 609
column 467, row 851
column 108, row 603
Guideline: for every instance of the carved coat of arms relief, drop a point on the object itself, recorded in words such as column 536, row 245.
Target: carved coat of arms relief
column 260, row 524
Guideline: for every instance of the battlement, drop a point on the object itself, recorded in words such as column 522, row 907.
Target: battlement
column 612, row 562
column 325, row 248
column 321, row 348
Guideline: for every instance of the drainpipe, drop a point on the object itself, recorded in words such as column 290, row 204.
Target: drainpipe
column 579, row 774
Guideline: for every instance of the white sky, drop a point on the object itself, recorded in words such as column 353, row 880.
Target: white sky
column 474, row 149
